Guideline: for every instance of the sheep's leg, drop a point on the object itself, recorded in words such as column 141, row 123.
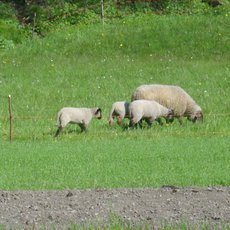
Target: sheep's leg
column 159, row 121
column 168, row 121
column 119, row 120
column 180, row 120
column 132, row 124
column 58, row 131
column 149, row 122
column 83, row 127
column 111, row 121
column 140, row 123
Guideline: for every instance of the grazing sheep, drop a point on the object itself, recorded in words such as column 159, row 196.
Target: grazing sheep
column 148, row 111
column 173, row 97
column 80, row 116
column 120, row 110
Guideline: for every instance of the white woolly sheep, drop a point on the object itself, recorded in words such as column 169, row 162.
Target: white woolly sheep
column 148, row 111
column 173, row 97
column 80, row 116
column 120, row 110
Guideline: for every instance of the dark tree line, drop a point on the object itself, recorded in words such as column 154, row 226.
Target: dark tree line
column 33, row 12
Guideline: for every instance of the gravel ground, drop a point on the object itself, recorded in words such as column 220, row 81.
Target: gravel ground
column 152, row 207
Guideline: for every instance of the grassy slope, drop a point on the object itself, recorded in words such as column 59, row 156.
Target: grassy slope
column 95, row 65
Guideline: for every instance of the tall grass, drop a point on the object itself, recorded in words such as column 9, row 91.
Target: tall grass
column 97, row 65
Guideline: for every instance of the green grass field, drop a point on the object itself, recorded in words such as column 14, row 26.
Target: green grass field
column 86, row 66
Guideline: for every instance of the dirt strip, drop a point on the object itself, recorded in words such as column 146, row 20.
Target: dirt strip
column 152, row 207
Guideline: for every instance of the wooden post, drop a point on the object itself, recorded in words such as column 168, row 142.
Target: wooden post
column 34, row 24
column 11, row 117
column 102, row 11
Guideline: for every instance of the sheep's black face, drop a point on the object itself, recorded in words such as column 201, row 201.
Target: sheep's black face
column 197, row 117
column 98, row 114
column 192, row 118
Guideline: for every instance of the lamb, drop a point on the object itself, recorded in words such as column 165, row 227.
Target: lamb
column 120, row 110
column 173, row 97
column 148, row 111
column 80, row 116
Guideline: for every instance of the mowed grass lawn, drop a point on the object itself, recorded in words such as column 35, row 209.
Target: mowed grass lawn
column 116, row 163
column 95, row 65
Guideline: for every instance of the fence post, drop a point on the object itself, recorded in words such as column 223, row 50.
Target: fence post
column 102, row 11
column 11, row 117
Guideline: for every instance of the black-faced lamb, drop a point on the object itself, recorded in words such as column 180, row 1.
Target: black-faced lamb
column 173, row 97
column 80, row 116
column 119, row 110
column 148, row 111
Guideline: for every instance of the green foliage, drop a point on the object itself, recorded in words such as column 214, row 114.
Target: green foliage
column 6, row 44
column 187, row 7
column 11, row 32
column 7, row 11
column 47, row 17
column 95, row 65
column 44, row 16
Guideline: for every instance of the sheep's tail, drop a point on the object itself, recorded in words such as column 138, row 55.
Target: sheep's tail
column 59, row 119
column 130, row 114
column 111, row 116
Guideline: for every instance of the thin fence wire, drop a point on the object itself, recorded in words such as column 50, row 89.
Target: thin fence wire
column 191, row 133
column 54, row 117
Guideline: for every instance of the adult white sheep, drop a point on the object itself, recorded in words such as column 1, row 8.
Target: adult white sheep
column 80, row 116
column 148, row 111
column 119, row 110
column 173, row 97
